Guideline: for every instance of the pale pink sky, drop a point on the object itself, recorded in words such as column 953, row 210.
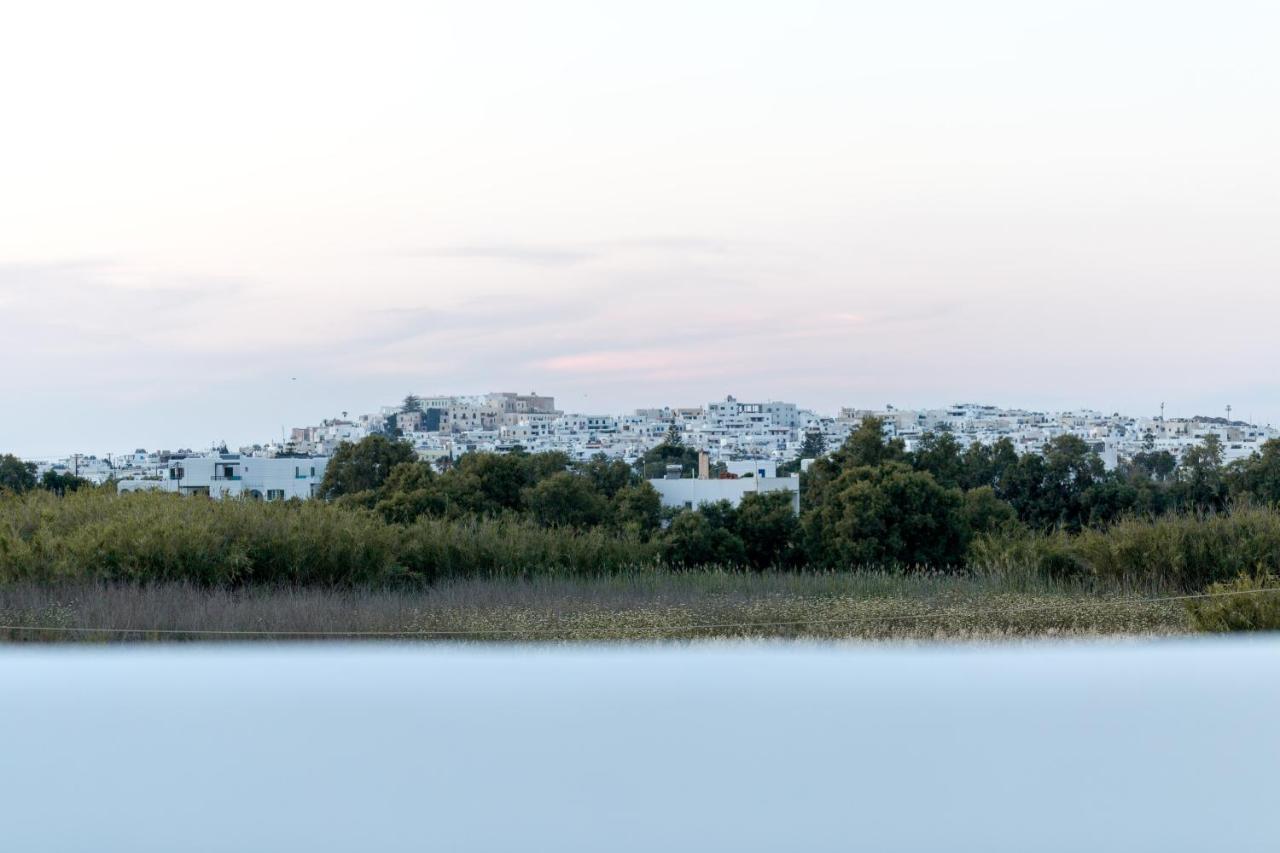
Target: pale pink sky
column 630, row 204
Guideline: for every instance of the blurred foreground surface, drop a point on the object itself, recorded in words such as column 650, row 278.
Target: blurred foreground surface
column 1164, row 746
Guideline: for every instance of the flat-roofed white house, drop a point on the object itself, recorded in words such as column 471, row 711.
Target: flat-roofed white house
column 691, row 494
column 223, row 475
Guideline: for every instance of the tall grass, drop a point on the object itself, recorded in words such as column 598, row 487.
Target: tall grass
column 631, row 605
column 1180, row 552
column 151, row 537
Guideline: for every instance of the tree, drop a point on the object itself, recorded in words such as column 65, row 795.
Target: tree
column 412, row 403
column 770, row 532
column 638, row 509
column 985, row 464
column 1258, row 477
column 815, row 444
column 1158, row 465
column 939, row 454
column 494, row 483
column 673, row 436
column 1200, row 483
column 410, row 492
column 60, row 484
column 565, row 500
column 655, row 460
column 1050, row 489
column 497, row 480
column 886, row 514
column 15, row 475
column 702, row 538
column 983, row 512
column 867, row 446
column 607, row 476
column 363, row 467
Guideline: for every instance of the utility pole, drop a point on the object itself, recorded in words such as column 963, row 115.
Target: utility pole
column 1228, row 413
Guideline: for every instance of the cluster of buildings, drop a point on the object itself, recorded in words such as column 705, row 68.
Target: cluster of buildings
column 747, row 439
column 734, row 430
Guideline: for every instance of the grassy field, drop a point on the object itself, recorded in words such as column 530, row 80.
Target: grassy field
column 650, row 605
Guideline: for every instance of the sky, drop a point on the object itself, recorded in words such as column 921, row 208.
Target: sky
column 220, row 221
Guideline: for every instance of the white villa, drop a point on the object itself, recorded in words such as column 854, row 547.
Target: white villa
column 223, row 475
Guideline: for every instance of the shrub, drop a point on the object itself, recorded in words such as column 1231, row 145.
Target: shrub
column 1186, row 551
column 1249, row 603
column 150, row 537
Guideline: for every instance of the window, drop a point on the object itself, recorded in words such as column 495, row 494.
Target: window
column 275, row 494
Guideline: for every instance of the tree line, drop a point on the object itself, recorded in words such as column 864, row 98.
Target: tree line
column 869, row 502
column 385, row 476
column 17, row 476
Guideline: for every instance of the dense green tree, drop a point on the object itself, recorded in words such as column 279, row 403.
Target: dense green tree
column 1051, row 489
column 865, row 447
column 565, row 500
column 412, row 491
column 703, row 538
column 886, row 514
column 985, row 464
column 412, row 403
column 60, row 484
column 363, row 466
column 16, row 475
column 1259, row 476
column 1113, row 497
column 637, row 509
column 766, row 523
column 1158, row 465
column 983, row 512
column 940, row 454
column 608, row 476
column 1201, row 484
column 501, row 478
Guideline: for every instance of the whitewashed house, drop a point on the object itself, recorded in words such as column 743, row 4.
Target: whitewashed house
column 230, row 475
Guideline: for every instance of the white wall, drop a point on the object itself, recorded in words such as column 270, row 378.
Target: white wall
column 694, row 493
column 753, row 467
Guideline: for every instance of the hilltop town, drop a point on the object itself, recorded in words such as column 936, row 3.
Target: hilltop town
column 738, row 437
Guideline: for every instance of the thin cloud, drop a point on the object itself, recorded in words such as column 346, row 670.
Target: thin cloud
column 573, row 254
column 512, row 254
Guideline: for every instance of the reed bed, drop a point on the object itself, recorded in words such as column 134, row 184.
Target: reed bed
column 653, row 606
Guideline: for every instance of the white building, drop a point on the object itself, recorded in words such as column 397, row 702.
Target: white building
column 691, row 494
column 230, row 475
